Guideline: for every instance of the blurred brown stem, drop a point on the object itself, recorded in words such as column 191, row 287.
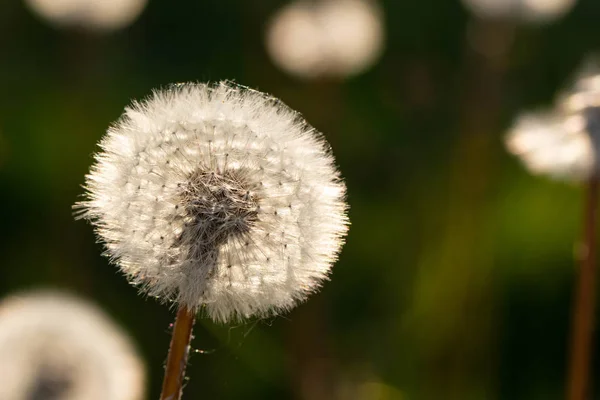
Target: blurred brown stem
column 585, row 296
column 178, row 355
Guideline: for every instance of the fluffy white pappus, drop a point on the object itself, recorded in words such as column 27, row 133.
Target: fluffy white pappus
column 529, row 11
column 337, row 38
column 563, row 142
column 553, row 144
column 55, row 346
column 97, row 15
column 220, row 198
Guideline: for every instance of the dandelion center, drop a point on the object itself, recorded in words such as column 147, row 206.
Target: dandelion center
column 218, row 206
column 50, row 385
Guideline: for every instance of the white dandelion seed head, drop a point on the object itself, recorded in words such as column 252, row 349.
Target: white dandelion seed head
column 57, row 347
column 326, row 38
column 553, row 144
column 565, row 141
column 103, row 15
column 218, row 196
column 535, row 11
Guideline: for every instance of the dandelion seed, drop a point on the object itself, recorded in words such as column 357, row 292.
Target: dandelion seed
column 227, row 163
column 57, row 347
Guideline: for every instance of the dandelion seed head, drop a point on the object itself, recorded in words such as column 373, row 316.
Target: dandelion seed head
column 337, row 38
column 102, row 15
column 218, row 197
column 535, row 11
column 57, row 347
column 563, row 142
column 552, row 145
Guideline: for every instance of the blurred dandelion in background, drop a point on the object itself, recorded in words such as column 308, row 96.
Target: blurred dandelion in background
column 556, row 145
column 97, row 15
column 563, row 142
column 520, row 10
column 326, row 38
column 55, row 346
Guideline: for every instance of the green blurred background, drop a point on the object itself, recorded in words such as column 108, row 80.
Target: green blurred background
column 456, row 279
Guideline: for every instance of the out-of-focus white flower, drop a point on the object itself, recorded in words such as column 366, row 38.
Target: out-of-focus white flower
column 521, row 10
column 564, row 142
column 89, row 14
column 553, row 144
column 218, row 196
column 57, row 347
column 326, row 37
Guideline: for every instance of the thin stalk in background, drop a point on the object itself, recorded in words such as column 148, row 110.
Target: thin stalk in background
column 585, row 297
column 464, row 349
column 178, row 355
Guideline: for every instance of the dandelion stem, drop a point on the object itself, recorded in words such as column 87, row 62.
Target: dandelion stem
column 585, row 296
column 178, row 355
